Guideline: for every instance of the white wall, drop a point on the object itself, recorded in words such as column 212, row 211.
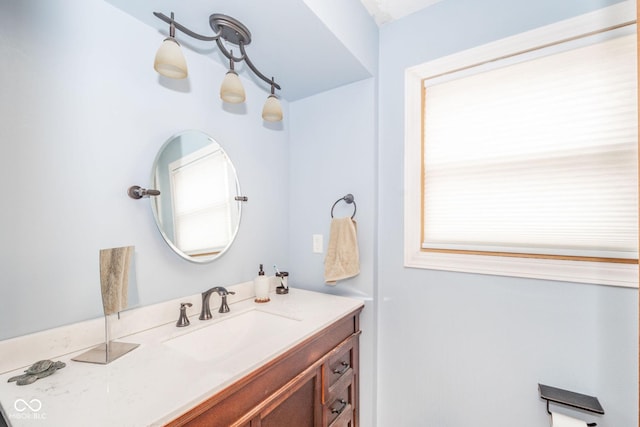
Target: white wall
column 465, row 350
column 83, row 114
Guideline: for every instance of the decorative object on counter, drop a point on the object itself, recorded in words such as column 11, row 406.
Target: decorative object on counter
column 183, row 320
column 193, row 173
column 137, row 192
column 283, row 276
column 343, row 257
column 114, row 278
column 572, row 399
column 40, row 369
column 261, row 286
column 170, row 62
column 115, row 265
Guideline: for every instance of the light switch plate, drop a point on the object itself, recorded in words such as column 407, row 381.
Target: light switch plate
column 317, row 243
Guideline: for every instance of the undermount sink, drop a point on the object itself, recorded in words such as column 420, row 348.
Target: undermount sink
column 245, row 332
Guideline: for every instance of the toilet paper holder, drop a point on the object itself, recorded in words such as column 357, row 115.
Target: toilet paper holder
column 570, row 398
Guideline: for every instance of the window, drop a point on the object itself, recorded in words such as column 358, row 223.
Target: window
column 529, row 155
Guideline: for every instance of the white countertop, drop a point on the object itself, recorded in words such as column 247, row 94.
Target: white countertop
column 157, row 382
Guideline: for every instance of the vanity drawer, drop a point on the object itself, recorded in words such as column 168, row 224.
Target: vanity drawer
column 339, row 412
column 341, row 364
column 344, row 421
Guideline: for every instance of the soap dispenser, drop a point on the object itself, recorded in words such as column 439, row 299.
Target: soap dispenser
column 261, row 285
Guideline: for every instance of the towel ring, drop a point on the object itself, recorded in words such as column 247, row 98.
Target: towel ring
column 349, row 199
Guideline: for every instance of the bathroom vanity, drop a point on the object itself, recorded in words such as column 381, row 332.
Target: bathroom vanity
column 315, row 383
column 290, row 362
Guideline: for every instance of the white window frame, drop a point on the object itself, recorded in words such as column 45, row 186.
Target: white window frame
column 604, row 273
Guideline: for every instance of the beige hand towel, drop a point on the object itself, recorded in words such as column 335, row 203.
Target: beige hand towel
column 342, row 260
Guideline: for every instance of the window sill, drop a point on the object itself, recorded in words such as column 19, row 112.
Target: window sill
column 601, row 273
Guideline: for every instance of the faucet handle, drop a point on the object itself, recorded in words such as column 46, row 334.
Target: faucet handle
column 223, row 291
column 224, row 307
column 183, row 320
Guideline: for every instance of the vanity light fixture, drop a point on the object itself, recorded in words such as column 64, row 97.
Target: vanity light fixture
column 170, row 62
column 272, row 110
column 231, row 89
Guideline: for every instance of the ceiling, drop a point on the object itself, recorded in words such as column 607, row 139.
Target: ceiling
column 309, row 46
column 384, row 11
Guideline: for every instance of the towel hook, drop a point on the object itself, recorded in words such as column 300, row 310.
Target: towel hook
column 349, row 199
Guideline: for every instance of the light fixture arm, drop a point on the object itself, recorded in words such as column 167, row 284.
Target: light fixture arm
column 184, row 29
column 271, row 81
column 229, row 54
column 229, row 29
column 172, row 27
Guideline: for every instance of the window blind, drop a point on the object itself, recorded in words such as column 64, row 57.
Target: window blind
column 538, row 157
column 201, row 202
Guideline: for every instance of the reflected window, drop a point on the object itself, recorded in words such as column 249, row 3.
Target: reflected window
column 201, row 201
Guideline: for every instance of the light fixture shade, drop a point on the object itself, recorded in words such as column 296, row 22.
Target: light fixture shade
column 170, row 60
column 231, row 89
column 272, row 110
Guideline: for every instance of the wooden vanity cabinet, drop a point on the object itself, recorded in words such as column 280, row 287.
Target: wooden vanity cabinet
column 314, row 384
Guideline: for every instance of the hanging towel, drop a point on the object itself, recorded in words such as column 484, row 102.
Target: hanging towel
column 342, row 260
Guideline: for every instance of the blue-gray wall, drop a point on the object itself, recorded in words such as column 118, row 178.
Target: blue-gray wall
column 332, row 153
column 83, row 115
column 461, row 349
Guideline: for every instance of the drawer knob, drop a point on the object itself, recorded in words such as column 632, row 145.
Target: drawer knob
column 343, row 404
column 340, row 371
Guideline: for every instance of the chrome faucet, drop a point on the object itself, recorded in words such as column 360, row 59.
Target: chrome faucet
column 205, row 313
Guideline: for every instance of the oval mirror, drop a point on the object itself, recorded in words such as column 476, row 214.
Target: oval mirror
column 198, row 209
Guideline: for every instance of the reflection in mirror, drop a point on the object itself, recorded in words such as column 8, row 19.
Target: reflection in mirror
column 196, row 211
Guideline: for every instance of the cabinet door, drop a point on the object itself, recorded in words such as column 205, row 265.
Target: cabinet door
column 298, row 405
